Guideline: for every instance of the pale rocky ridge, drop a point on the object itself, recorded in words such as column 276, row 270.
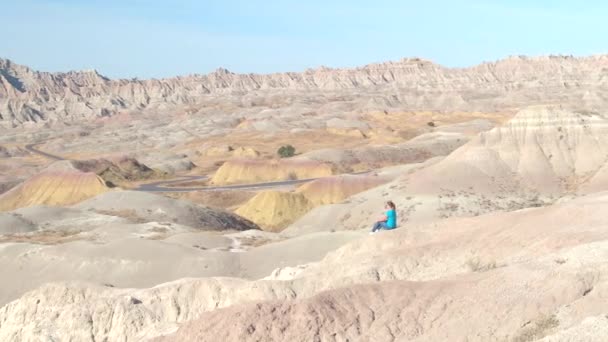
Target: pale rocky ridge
column 31, row 96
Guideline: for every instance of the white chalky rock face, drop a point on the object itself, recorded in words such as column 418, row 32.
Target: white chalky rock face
column 548, row 147
column 540, row 155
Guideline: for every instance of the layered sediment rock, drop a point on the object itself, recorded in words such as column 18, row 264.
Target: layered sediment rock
column 58, row 186
column 31, row 96
column 330, row 190
column 274, row 210
column 257, row 170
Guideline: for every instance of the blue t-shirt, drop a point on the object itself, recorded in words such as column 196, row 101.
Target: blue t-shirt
column 391, row 221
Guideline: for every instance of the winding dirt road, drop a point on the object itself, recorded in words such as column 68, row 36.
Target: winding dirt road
column 164, row 186
column 32, row 148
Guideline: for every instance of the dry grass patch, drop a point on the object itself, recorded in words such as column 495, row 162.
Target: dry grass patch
column 532, row 331
column 159, row 233
column 476, row 265
column 128, row 214
column 257, row 241
column 43, row 237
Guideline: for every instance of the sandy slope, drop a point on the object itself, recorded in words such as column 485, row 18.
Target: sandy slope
column 530, row 272
column 150, row 207
column 45, row 244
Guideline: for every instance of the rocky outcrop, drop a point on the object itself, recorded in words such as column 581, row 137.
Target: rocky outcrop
column 59, row 185
column 68, row 182
column 117, row 172
column 274, row 210
column 31, row 96
column 260, row 170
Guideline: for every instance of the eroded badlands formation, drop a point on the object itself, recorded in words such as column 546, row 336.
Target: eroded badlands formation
column 32, row 96
column 159, row 210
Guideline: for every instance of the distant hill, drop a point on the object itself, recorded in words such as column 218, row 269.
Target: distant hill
column 28, row 96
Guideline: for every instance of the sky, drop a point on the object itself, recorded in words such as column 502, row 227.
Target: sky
column 154, row 38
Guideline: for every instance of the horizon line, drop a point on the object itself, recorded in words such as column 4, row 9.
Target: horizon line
column 318, row 68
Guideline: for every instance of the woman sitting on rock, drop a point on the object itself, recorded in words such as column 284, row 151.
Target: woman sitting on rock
column 388, row 220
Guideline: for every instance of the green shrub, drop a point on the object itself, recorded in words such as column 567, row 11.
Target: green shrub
column 476, row 265
column 286, row 151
